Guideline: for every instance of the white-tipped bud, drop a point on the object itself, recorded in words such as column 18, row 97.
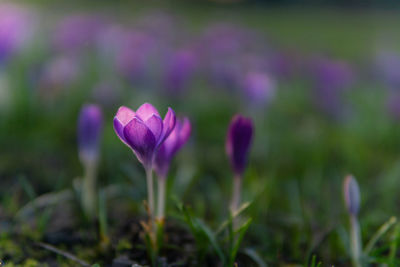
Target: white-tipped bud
column 351, row 193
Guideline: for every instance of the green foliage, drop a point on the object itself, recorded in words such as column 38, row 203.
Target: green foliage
column 226, row 247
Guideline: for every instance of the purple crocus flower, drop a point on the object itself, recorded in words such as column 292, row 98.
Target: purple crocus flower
column 134, row 55
column 393, row 104
column 90, row 126
column 351, row 195
column 170, row 147
column 16, row 27
column 331, row 78
column 143, row 131
column 76, row 32
column 238, row 141
column 388, row 65
column 179, row 70
column 258, row 87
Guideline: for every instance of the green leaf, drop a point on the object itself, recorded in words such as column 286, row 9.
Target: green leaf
column 224, row 224
column 381, row 231
column 253, row 255
column 314, row 262
column 240, row 232
column 211, row 238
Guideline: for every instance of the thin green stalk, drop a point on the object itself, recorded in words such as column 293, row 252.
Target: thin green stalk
column 237, row 184
column 89, row 195
column 355, row 241
column 161, row 198
column 150, row 192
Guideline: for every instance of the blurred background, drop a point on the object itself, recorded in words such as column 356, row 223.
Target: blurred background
column 321, row 80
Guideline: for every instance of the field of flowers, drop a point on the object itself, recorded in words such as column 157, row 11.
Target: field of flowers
column 219, row 135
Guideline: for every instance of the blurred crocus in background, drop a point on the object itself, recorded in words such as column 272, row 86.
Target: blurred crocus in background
column 179, row 70
column 17, row 25
column 238, row 142
column 144, row 132
column 259, row 88
column 387, row 64
column 58, row 74
column 351, row 194
column 90, row 128
column 331, row 79
column 75, row 33
column 134, row 56
column 164, row 156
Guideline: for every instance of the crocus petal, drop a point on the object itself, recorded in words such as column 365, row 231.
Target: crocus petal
column 155, row 124
column 170, row 146
column 141, row 139
column 124, row 115
column 185, row 132
column 168, row 125
column 145, row 111
column 119, row 130
column 122, row 118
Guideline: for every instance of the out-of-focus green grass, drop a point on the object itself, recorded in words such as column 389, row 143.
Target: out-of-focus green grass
column 348, row 33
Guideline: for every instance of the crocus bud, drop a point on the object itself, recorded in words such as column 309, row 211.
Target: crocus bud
column 90, row 126
column 351, row 195
column 170, row 147
column 238, row 141
column 143, row 131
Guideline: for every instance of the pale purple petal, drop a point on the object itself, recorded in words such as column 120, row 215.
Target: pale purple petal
column 141, row 139
column 168, row 125
column 155, row 124
column 170, row 147
column 124, row 115
column 184, row 133
column 145, row 111
column 121, row 119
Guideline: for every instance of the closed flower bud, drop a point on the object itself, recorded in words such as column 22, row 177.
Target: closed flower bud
column 238, row 142
column 351, row 195
column 90, row 126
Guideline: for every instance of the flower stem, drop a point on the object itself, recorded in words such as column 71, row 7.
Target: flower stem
column 161, row 198
column 237, row 184
column 89, row 202
column 355, row 241
column 150, row 192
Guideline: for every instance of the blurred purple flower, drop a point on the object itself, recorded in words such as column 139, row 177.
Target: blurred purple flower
column 258, row 87
column 90, row 127
column 178, row 137
column 388, row 64
column 77, row 32
column 161, row 25
column 133, row 58
column 393, row 104
column 107, row 93
column 351, row 193
column 60, row 72
column 143, row 131
column 331, row 79
column 16, row 28
column 180, row 68
column 222, row 48
column 238, row 141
